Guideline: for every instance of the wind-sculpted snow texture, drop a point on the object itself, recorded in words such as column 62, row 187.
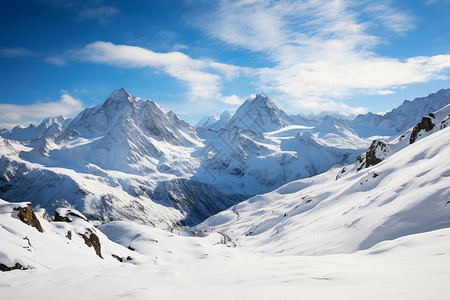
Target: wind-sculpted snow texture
column 130, row 159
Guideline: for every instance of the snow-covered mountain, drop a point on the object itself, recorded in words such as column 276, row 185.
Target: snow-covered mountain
column 406, row 193
column 403, row 117
column 214, row 121
column 259, row 114
column 385, row 218
column 47, row 128
column 128, row 158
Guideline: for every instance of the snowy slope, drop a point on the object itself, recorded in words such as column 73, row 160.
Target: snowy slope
column 407, row 193
column 168, row 266
column 55, row 244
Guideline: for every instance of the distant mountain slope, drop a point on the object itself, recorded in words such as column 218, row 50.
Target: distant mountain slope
column 407, row 114
column 214, row 121
column 407, row 193
column 47, row 128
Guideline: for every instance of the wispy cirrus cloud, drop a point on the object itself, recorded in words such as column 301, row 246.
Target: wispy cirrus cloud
column 323, row 51
column 202, row 76
column 15, row 52
column 98, row 10
column 13, row 115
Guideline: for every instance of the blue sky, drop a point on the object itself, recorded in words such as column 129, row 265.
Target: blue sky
column 202, row 57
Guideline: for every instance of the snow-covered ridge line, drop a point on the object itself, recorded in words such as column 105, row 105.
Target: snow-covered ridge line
column 129, row 158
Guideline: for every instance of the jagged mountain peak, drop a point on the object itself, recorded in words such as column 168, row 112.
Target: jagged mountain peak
column 214, row 121
column 48, row 127
column 261, row 100
column 119, row 98
column 260, row 114
column 147, row 116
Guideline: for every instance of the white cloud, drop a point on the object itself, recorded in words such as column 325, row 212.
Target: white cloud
column 322, row 51
column 57, row 61
column 13, row 115
column 15, row 52
column 232, row 100
column 203, row 77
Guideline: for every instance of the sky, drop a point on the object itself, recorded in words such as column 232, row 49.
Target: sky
column 199, row 57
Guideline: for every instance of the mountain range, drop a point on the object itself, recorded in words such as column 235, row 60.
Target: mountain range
column 127, row 200
column 130, row 159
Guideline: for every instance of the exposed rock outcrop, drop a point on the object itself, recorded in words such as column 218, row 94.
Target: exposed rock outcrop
column 377, row 151
column 92, row 240
column 27, row 215
column 17, row 266
column 426, row 124
column 67, row 215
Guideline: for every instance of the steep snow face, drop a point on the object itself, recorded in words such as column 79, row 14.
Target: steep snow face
column 404, row 116
column 406, row 193
column 259, row 114
column 49, row 127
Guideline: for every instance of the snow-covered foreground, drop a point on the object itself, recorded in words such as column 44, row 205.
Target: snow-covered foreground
column 411, row 267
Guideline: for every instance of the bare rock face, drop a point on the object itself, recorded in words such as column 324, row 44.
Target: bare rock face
column 92, row 240
column 68, row 215
column 59, row 218
column 426, row 124
column 374, row 155
column 27, row 215
column 17, row 266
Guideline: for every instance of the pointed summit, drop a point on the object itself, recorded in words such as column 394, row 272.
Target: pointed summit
column 259, row 114
column 118, row 98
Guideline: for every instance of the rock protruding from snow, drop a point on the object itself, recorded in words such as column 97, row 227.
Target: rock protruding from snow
column 377, row 152
column 380, row 150
column 27, row 215
column 426, row 124
column 56, row 245
column 67, row 215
